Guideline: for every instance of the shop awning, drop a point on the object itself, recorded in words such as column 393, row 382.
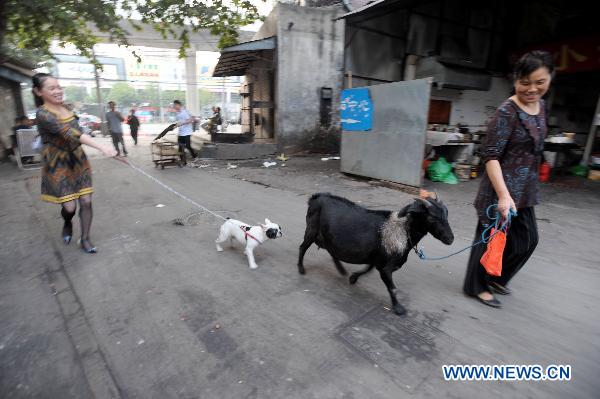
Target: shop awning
column 380, row 7
column 453, row 74
column 17, row 70
column 234, row 60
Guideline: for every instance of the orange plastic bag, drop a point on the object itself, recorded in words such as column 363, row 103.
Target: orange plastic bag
column 492, row 258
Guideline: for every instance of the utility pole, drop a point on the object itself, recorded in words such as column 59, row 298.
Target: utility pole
column 160, row 108
column 591, row 136
column 103, row 127
column 224, row 107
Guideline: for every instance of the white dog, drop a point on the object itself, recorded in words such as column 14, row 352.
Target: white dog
column 250, row 236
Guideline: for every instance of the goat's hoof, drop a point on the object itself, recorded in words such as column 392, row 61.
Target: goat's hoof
column 399, row 310
column 353, row 278
column 301, row 269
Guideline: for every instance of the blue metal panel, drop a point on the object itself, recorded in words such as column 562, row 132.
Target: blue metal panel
column 356, row 109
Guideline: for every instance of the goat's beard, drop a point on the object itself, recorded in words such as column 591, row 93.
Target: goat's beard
column 393, row 234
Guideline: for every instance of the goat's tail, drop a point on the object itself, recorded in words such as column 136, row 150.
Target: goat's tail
column 314, row 209
column 313, row 216
column 316, row 196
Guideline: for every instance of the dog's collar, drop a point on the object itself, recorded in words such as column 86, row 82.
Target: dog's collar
column 245, row 229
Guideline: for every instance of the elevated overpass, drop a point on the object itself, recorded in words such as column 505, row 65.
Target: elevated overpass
column 202, row 40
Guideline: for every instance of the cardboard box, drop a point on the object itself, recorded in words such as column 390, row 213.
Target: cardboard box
column 594, row 175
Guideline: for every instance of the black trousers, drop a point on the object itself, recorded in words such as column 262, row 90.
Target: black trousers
column 185, row 142
column 521, row 240
column 134, row 132
column 116, row 139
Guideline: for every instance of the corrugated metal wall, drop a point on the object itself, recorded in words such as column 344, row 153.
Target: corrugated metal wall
column 394, row 148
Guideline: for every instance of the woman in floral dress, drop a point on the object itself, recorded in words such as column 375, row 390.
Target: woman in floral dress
column 66, row 172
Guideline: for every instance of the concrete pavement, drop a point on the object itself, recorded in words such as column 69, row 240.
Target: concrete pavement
column 158, row 313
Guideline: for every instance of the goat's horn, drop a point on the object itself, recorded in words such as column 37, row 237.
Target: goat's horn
column 425, row 202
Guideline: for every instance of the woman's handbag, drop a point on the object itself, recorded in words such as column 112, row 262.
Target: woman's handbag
column 492, row 258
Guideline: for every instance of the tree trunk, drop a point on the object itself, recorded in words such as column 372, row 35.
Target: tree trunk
column 3, row 19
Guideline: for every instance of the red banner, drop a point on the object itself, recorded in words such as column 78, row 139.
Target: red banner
column 574, row 55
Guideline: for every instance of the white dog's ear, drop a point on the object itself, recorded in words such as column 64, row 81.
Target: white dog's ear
column 264, row 226
column 267, row 221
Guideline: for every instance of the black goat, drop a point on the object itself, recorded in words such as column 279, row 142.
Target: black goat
column 377, row 238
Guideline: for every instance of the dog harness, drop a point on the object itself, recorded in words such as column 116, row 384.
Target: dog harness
column 245, row 229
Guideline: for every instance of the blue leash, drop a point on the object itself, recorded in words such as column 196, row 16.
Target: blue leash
column 497, row 224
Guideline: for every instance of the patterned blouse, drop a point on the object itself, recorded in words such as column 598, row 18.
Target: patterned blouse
column 66, row 171
column 516, row 140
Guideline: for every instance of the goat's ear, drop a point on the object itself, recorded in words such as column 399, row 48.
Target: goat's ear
column 404, row 211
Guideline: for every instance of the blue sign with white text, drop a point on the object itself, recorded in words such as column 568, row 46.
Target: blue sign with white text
column 356, row 109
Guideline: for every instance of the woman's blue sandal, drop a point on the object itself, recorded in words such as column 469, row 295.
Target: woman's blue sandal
column 67, row 234
column 89, row 249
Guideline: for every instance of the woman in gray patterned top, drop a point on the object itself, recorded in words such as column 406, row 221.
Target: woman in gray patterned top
column 512, row 155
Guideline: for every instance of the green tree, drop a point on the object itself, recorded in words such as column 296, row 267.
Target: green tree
column 149, row 94
column 92, row 97
column 206, row 98
column 75, row 94
column 169, row 95
column 122, row 94
column 33, row 24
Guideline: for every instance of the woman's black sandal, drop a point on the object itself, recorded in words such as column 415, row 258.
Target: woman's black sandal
column 499, row 289
column 490, row 302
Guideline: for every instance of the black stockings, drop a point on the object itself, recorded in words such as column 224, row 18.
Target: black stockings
column 67, row 212
column 85, row 217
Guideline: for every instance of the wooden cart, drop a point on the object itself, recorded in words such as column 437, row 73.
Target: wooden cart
column 165, row 153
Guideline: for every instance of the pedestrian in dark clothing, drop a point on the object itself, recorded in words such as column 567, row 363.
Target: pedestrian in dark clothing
column 21, row 122
column 114, row 119
column 215, row 120
column 512, row 155
column 134, row 125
